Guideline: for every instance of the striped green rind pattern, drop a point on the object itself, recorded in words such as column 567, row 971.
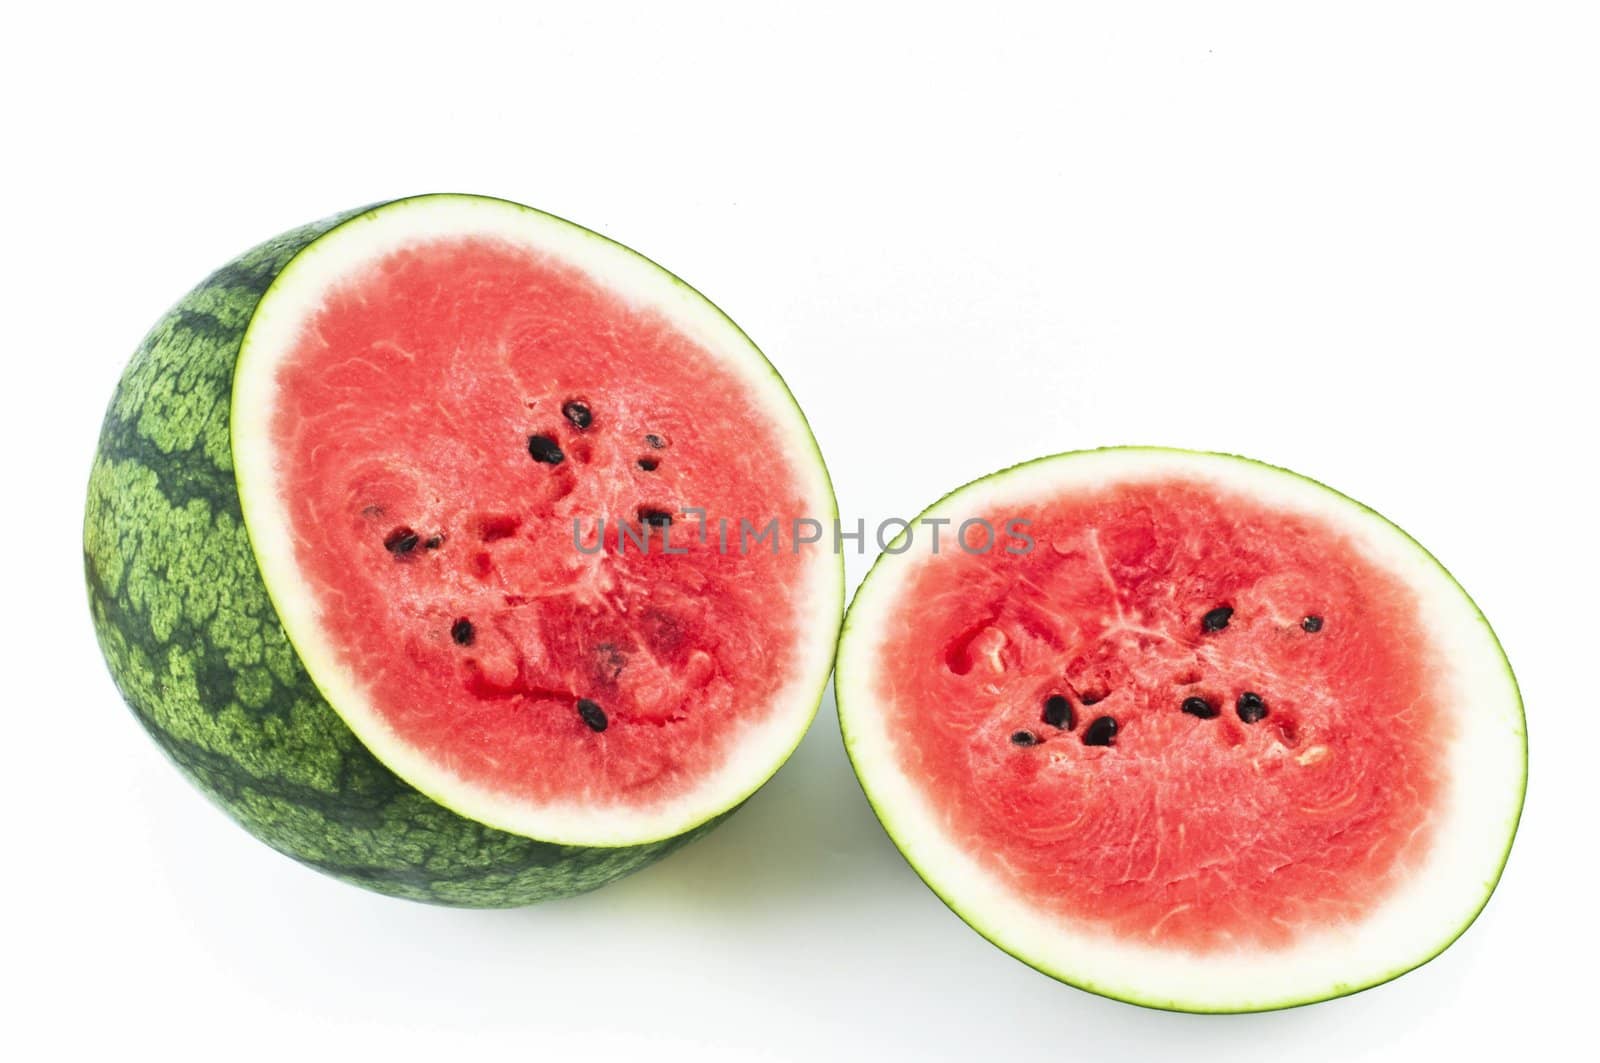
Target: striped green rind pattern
column 198, row 653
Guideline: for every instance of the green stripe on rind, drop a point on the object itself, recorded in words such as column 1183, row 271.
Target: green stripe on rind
column 198, row 653
column 974, row 920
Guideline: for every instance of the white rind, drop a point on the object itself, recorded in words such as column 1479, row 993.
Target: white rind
column 1487, row 764
column 297, row 292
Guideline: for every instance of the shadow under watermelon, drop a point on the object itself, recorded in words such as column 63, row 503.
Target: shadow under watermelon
column 806, row 839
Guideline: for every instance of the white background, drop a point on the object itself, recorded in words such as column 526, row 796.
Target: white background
column 1359, row 240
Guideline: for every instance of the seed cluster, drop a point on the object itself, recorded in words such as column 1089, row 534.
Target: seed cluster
column 1058, row 713
column 1250, row 706
column 544, row 449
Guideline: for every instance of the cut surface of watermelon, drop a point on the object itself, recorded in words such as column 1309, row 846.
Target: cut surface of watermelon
column 1220, row 740
column 436, row 406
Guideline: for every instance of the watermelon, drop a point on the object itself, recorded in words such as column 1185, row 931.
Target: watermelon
column 390, row 545
column 1184, row 729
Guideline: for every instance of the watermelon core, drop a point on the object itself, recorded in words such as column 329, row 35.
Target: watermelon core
column 1196, row 745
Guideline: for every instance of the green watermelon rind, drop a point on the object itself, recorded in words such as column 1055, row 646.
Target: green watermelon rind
column 975, row 921
column 193, row 642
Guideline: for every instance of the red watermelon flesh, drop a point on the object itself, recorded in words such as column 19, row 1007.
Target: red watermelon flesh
column 392, row 424
column 1201, row 734
column 477, row 494
column 1196, row 831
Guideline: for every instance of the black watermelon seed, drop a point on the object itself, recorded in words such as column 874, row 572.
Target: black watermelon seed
column 578, row 413
column 543, row 449
column 1102, row 732
column 1091, row 697
column 1199, row 707
column 1217, row 619
column 462, row 632
column 1058, row 712
column 1251, row 708
column 655, row 441
column 648, row 464
column 658, row 518
column 434, row 542
column 1312, row 624
column 1024, row 738
column 592, row 714
column 400, row 541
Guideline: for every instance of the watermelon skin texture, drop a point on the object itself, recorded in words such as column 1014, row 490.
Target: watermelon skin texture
column 197, row 651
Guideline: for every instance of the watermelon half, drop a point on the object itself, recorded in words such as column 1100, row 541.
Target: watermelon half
column 391, row 545
column 1185, row 729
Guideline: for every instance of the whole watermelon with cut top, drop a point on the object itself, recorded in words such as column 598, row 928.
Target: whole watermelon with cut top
column 391, row 546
